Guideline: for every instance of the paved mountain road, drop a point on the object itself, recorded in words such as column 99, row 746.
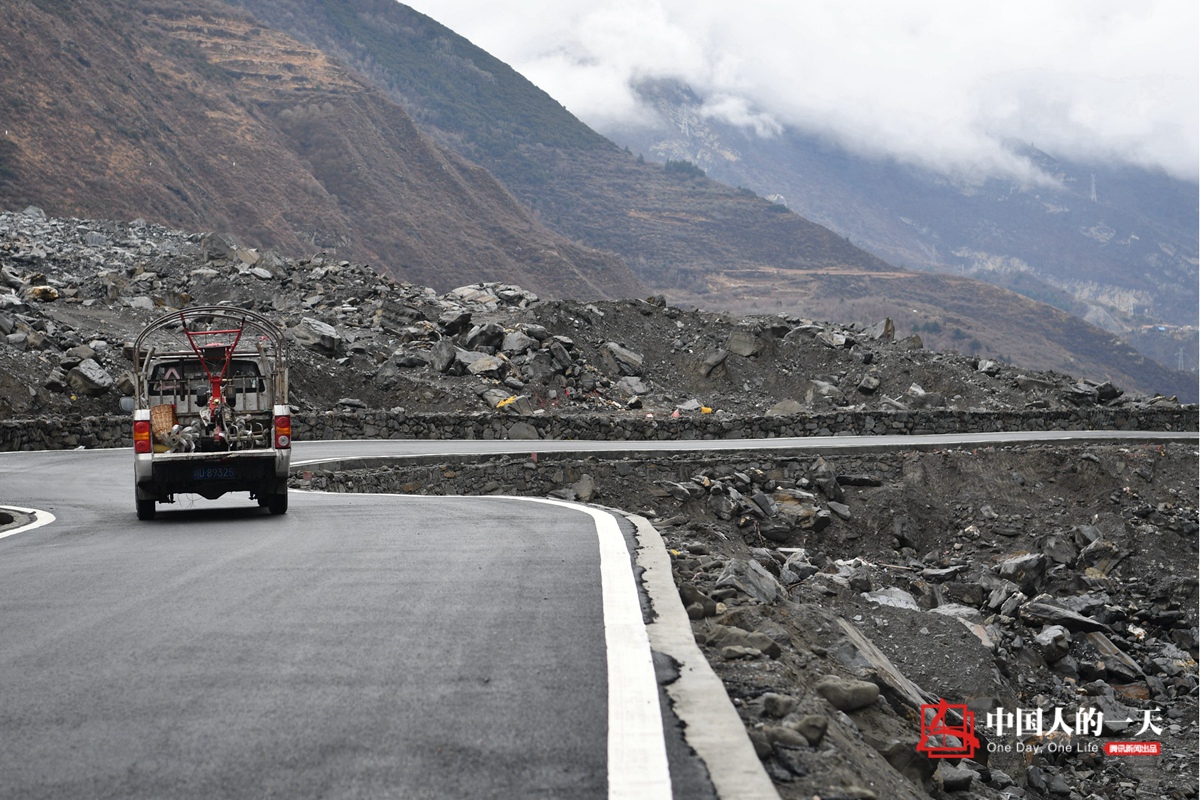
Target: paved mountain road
column 359, row 646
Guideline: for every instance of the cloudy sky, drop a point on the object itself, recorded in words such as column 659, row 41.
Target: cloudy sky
column 939, row 82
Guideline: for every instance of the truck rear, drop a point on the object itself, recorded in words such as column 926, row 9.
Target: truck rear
column 210, row 408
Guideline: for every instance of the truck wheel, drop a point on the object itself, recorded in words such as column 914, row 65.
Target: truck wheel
column 145, row 509
column 277, row 503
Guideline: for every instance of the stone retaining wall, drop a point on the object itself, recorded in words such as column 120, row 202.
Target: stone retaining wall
column 114, row 431
column 603, row 480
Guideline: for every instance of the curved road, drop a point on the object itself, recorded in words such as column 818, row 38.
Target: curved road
column 359, row 646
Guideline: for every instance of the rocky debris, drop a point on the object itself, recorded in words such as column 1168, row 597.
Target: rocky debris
column 65, row 282
column 928, row 532
column 972, row 614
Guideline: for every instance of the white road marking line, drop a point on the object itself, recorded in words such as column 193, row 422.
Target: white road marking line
column 40, row 518
column 637, row 750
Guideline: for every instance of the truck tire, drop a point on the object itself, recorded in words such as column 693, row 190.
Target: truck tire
column 277, row 503
column 145, row 508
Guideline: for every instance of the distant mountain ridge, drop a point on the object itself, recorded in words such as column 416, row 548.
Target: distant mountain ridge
column 1116, row 245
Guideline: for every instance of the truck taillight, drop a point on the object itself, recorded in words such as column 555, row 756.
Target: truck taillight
column 141, row 436
column 283, row 432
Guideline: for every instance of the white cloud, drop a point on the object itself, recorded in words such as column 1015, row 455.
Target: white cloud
column 944, row 83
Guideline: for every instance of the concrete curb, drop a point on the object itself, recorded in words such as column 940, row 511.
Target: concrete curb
column 712, row 726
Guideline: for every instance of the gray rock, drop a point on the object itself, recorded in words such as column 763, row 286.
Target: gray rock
column 488, row 335
column 1055, row 643
column 454, row 321
column 847, row 694
column 89, row 378
column 443, row 355
column 320, row 337
column 823, row 391
column 1119, row 666
column 1043, row 610
column 517, row 343
column 585, row 488
column 721, row 636
column 894, row 597
column 558, row 352
column 884, row 330
column 749, row 577
column 631, row 386
column 523, row 430
column 782, row 736
column 778, row 706
column 785, row 408
column 743, row 342
column 1027, row 384
column 619, row 360
column 841, row 509
column 488, row 366
column 953, row 779
column 812, row 727
column 868, row 385
column 904, row 757
column 1026, row 571
column 713, row 362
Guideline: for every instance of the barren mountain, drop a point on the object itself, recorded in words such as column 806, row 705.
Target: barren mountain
column 192, row 114
column 294, row 129
column 695, row 240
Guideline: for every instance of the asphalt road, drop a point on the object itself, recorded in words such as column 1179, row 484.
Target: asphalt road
column 360, row 646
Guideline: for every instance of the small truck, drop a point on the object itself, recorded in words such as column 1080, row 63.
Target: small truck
column 210, row 411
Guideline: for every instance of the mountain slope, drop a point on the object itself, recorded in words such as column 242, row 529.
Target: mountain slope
column 200, row 117
column 1114, row 245
column 696, row 240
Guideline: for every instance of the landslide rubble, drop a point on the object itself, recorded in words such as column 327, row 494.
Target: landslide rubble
column 74, row 292
column 836, row 595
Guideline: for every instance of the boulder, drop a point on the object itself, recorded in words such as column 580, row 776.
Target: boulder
column 620, row 360
column 89, row 378
column 884, row 330
column 517, row 343
column 847, row 694
column 712, row 362
column 749, row 577
column 523, row 430
column 631, row 386
column 823, row 391
column 1054, row 641
column 320, row 337
column 454, row 321
column 744, row 342
column 785, row 408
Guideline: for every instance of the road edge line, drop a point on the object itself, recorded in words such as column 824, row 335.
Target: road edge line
column 712, row 726
column 40, row 518
column 637, row 752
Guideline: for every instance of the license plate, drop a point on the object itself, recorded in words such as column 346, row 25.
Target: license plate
column 212, row 473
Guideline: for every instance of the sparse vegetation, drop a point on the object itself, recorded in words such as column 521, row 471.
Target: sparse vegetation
column 685, row 169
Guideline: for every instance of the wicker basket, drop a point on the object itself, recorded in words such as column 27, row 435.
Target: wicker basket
column 162, row 419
